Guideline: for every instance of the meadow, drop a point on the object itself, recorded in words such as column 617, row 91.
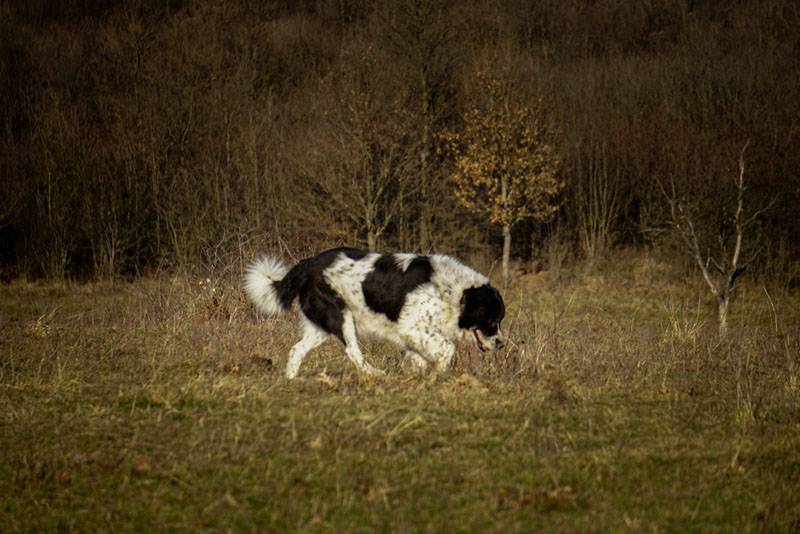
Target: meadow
column 159, row 404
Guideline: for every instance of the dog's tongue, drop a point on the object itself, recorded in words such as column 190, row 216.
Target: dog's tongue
column 478, row 339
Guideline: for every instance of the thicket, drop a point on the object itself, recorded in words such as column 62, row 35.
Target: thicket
column 165, row 134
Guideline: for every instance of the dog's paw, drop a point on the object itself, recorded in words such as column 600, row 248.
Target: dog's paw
column 370, row 370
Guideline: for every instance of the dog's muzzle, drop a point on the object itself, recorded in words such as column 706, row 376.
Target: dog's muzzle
column 486, row 344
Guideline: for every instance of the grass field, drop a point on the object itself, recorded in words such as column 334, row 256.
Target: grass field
column 160, row 405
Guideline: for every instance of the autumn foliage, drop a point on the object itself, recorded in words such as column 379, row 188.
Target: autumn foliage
column 505, row 162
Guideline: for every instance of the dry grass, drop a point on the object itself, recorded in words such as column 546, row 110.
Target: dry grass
column 160, row 404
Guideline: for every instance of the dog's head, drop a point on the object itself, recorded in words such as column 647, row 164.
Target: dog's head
column 482, row 310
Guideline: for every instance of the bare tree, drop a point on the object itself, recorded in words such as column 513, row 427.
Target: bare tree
column 420, row 39
column 720, row 270
column 359, row 154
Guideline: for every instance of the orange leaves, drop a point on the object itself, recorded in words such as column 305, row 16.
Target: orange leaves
column 506, row 163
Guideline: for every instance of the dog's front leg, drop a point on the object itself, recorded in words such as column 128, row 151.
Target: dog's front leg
column 418, row 363
column 438, row 350
column 444, row 356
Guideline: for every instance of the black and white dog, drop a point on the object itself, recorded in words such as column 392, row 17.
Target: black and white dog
column 422, row 304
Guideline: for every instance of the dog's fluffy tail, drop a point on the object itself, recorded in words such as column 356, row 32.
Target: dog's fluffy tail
column 263, row 285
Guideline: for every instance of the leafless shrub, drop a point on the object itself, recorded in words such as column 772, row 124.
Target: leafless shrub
column 727, row 259
column 598, row 204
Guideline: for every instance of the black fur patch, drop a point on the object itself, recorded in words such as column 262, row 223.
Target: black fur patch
column 482, row 307
column 386, row 286
column 318, row 301
column 353, row 253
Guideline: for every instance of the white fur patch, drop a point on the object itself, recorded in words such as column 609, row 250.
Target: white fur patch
column 404, row 260
column 453, row 277
column 259, row 284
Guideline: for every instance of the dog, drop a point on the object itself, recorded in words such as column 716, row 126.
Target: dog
column 421, row 303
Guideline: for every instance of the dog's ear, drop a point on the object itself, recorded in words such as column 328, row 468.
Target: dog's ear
column 479, row 304
column 471, row 307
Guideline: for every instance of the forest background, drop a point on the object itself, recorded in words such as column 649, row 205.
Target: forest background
column 150, row 135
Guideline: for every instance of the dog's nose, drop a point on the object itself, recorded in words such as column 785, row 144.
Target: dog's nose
column 499, row 343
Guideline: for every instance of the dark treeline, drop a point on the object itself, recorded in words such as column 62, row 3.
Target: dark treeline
column 167, row 134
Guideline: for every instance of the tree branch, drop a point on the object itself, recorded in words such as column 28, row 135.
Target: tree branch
column 683, row 223
column 737, row 218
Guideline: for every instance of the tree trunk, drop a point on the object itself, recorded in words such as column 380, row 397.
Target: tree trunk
column 722, row 309
column 371, row 240
column 506, row 253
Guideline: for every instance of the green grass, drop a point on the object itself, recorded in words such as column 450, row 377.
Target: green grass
column 160, row 405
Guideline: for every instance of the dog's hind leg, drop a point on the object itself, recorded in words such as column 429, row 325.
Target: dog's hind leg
column 351, row 347
column 312, row 336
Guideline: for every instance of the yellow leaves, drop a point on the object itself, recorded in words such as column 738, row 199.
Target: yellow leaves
column 506, row 165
